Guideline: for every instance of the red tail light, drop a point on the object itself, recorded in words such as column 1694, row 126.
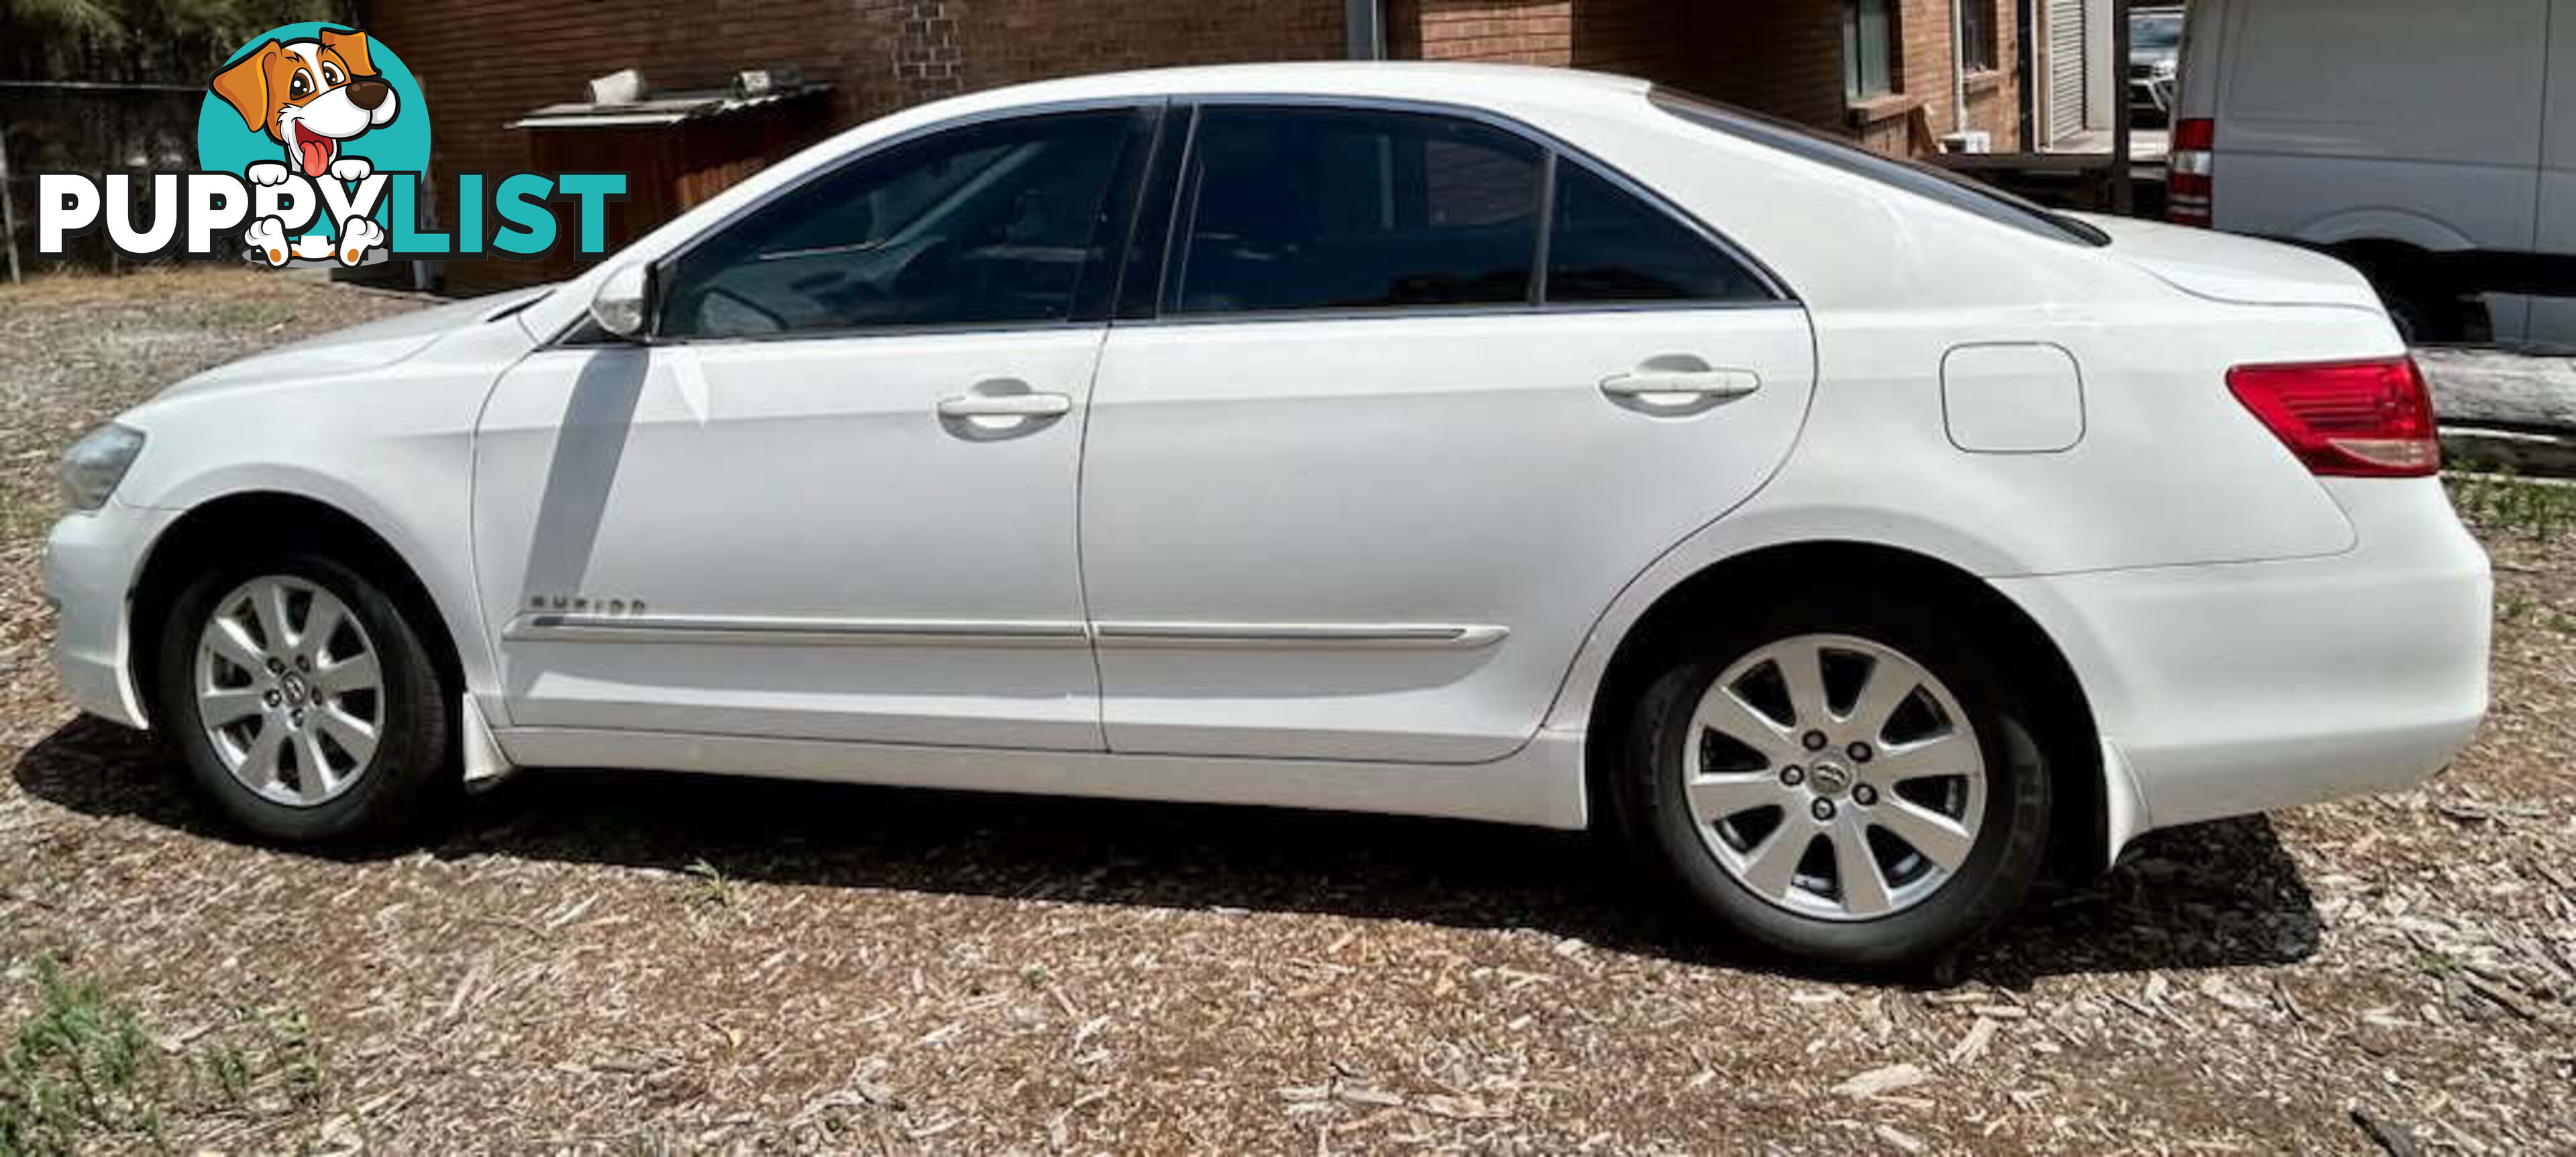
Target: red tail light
column 2188, row 185
column 2353, row 419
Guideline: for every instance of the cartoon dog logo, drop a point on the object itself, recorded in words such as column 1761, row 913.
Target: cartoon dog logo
column 313, row 97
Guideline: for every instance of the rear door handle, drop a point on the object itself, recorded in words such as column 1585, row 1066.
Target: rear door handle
column 1006, row 406
column 1682, row 385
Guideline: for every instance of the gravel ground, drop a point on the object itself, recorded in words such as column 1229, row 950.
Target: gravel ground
column 644, row 964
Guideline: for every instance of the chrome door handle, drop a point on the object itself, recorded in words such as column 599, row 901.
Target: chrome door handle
column 1006, row 406
column 1693, row 385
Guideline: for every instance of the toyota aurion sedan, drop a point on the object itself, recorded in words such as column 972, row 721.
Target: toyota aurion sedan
column 1529, row 446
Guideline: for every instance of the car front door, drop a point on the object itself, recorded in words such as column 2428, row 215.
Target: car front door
column 1361, row 486
column 834, row 496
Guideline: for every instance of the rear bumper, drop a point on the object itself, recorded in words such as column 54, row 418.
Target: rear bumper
column 2237, row 688
column 91, row 562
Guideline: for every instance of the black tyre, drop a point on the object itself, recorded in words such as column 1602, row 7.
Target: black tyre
column 304, row 701
column 2430, row 303
column 2413, row 317
column 1840, row 779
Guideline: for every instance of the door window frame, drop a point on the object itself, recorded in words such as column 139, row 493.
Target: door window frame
column 1096, row 290
column 1175, row 169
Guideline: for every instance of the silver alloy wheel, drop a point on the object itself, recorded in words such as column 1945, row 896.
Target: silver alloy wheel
column 288, row 690
column 1834, row 777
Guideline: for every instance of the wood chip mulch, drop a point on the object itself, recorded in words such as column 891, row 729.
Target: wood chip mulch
column 596, row 963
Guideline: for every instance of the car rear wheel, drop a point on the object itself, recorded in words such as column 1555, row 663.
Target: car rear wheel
column 304, row 702
column 1844, row 784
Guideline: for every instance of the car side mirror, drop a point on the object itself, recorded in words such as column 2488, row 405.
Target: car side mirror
column 622, row 302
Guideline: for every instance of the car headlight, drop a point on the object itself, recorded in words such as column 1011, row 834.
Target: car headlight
column 90, row 470
column 2165, row 69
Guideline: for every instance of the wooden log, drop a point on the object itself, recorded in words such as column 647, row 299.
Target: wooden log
column 2504, row 410
column 2482, row 449
column 2484, row 388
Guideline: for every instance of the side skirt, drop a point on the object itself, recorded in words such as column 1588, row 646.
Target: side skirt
column 1539, row 786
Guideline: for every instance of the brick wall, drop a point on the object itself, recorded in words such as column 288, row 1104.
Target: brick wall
column 484, row 63
column 1499, row 31
column 1783, row 57
column 1626, row 36
column 929, row 53
column 1011, row 41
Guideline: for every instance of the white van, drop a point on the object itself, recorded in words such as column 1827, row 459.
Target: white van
column 2432, row 144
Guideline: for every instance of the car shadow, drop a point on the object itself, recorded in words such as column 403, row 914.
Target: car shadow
column 2213, row 895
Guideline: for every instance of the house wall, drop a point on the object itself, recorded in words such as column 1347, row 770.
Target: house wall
column 1783, row 57
column 1629, row 36
column 1994, row 98
column 485, row 63
column 1012, row 41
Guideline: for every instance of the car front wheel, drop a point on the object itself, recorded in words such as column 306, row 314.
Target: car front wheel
column 305, row 704
column 1846, row 785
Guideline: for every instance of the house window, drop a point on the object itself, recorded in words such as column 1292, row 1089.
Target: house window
column 1977, row 35
column 1869, row 49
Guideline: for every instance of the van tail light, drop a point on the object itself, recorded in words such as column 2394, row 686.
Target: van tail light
column 2348, row 419
column 2189, row 191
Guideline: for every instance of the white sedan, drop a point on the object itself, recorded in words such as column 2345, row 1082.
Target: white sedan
column 1517, row 445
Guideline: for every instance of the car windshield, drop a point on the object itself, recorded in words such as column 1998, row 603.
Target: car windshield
column 1911, row 176
column 2161, row 31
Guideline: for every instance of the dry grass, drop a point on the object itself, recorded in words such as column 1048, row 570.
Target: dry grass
column 645, row 964
column 75, row 349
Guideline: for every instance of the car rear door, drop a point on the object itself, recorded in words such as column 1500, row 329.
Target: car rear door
column 1359, row 481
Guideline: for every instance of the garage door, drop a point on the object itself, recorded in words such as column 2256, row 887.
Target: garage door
column 2065, row 68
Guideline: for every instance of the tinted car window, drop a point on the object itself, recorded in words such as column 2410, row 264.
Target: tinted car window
column 989, row 224
column 1606, row 245
column 1921, row 180
column 1296, row 208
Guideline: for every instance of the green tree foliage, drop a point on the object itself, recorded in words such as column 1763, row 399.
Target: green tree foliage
column 69, row 128
column 166, row 41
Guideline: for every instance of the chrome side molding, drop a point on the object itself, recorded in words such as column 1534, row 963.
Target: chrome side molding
column 576, row 627
column 550, row 627
column 1430, row 636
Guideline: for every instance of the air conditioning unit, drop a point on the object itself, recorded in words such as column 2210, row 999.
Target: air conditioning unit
column 1972, row 141
column 624, row 86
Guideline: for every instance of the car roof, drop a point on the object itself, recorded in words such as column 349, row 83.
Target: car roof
column 1486, row 85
